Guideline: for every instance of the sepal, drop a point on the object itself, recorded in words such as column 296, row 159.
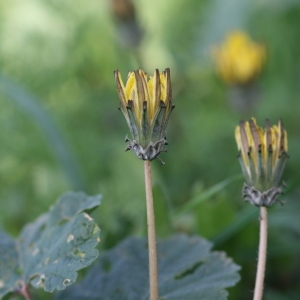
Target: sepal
column 266, row 198
column 150, row 153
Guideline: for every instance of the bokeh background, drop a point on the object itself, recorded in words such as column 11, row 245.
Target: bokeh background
column 61, row 129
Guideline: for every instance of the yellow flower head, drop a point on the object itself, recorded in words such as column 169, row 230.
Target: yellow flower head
column 146, row 104
column 239, row 60
column 262, row 155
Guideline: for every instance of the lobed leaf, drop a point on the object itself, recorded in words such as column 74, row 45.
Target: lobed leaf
column 187, row 270
column 51, row 250
column 9, row 267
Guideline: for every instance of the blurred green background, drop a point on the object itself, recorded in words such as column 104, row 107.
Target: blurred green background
column 61, row 129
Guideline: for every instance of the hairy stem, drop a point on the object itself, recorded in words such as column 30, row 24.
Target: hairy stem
column 153, row 274
column 262, row 253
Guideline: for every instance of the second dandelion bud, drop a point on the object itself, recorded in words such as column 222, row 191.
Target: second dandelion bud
column 146, row 104
column 262, row 155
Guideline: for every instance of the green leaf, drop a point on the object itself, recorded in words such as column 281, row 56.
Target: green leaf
column 245, row 216
column 203, row 196
column 162, row 215
column 187, row 270
column 50, row 250
column 29, row 104
column 9, row 269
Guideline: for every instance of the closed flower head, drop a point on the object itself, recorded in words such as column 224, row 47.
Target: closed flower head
column 146, row 105
column 262, row 156
column 239, row 60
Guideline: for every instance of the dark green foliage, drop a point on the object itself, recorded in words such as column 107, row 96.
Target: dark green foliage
column 50, row 251
column 9, row 265
column 187, row 270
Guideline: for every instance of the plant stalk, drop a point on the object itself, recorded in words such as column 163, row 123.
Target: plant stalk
column 24, row 291
column 153, row 273
column 262, row 253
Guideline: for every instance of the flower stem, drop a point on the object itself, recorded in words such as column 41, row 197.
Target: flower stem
column 153, row 274
column 262, row 253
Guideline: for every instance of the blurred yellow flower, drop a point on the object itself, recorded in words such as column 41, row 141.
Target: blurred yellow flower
column 239, row 60
column 262, row 156
column 146, row 105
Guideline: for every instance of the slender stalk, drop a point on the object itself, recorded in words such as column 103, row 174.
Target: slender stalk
column 262, row 253
column 24, row 291
column 153, row 274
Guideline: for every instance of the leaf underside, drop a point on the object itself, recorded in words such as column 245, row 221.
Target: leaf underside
column 50, row 251
column 187, row 270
